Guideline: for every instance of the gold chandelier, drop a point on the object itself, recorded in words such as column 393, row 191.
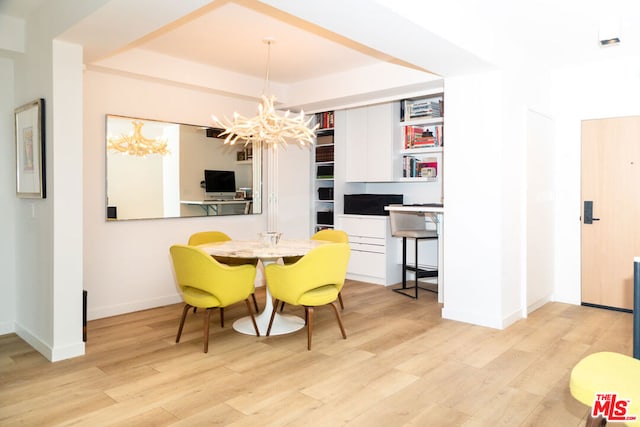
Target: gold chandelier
column 268, row 126
column 136, row 144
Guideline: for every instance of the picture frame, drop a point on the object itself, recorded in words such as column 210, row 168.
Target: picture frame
column 30, row 150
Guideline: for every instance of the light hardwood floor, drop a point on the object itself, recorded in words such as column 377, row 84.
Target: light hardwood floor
column 401, row 365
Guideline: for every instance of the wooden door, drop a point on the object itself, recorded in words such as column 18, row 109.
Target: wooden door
column 611, row 181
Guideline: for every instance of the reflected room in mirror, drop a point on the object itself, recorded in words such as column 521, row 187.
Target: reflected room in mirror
column 168, row 170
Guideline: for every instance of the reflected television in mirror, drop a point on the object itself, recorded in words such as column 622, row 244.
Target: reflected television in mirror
column 220, row 184
column 168, row 184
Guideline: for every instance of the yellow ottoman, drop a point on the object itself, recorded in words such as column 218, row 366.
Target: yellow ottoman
column 613, row 376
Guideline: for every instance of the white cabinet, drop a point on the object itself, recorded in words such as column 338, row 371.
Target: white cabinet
column 371, row 134
column 372, row 249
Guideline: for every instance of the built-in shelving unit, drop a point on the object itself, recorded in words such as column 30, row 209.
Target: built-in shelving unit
column 421, row 124
column 323, row 167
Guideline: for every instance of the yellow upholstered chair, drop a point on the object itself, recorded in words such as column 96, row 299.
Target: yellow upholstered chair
column 315, row 280
column 204, row 237
column 606, row 373
column 329, row 235
column 336, row 236
column 205, row 283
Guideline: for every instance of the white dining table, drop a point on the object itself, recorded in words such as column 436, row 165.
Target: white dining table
column 282, row 323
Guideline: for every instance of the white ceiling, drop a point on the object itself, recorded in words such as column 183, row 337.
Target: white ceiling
column 356, row 34
column 231, row 34
column 228, row 34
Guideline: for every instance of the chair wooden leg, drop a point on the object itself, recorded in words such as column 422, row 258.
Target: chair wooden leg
column 599, row 421
column 282, row 306
column 340, row 299
column 309, row 318
column 253, row 319
column 184, row 315
column 255, row 303
column 273, row 315
column 207, row 318
column 195, row 309
column 222, row 317
column 335, row 309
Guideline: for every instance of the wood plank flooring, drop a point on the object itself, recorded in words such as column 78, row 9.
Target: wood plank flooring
column 401, row 365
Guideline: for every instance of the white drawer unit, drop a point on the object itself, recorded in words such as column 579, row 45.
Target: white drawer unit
column 372, row 249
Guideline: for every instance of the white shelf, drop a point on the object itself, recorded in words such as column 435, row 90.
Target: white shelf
column 417, row 179
column 425, row 150
column 427, row 120
column 327, row 135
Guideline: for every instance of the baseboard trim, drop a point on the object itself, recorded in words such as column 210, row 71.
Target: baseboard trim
column 473, row 318
column 34, row 341
column 130, row 307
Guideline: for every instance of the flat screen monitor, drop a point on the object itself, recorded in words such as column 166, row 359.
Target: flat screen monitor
column 219, row 181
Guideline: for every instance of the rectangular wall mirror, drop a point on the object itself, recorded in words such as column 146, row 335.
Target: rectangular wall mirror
column 169, row 170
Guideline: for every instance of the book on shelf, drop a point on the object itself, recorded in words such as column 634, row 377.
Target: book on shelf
column 422, row 136
column 325, row 119
column 421, row 107
column 324, row 153
column 324, row 172
column 324, row 139
column 409, row 167
column 428, row 169
column 440, row 135
column 416, row 168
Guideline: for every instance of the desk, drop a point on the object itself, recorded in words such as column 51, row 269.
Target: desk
column 282, row 323
column 436, row 213
column 212, row 207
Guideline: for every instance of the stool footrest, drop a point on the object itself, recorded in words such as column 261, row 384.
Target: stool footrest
column 423, row 271
column 405, row 290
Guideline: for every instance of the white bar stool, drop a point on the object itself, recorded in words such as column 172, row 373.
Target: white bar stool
column 411, row 225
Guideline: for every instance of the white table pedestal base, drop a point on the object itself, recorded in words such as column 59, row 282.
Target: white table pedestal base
column 282, row 323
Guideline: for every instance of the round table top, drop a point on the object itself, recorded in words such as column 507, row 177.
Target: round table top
column 257, row 249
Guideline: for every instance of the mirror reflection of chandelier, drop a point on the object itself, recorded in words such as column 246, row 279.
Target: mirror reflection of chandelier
column 268, row 126
column 136, row 144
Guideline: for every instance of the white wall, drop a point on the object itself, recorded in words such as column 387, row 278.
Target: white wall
column 540, row 210
column 34, row 217
column 606, row 89
column 126, row 263
column 66, row 106
column 7, row 200
column 473, row 205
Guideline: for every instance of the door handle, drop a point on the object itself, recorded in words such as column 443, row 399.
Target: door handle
column 588, row 212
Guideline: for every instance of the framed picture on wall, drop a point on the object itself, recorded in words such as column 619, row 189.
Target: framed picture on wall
column 30, row 161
